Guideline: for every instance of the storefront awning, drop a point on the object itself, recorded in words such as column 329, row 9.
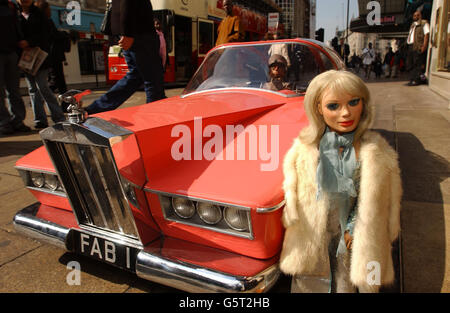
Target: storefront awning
column 394, row 26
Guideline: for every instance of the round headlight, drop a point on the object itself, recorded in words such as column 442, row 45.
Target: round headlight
column 37, row 179
column 209, row 213
column 184, row 208
column 51, row 181
column 236, row 219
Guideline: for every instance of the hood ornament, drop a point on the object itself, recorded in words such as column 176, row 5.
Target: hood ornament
column 76, row 113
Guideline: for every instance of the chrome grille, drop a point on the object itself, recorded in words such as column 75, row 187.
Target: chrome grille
column 93, row 185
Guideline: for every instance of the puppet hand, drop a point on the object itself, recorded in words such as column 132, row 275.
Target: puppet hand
column 348, row 240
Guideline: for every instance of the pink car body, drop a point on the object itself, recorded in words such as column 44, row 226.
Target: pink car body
column 186, row 191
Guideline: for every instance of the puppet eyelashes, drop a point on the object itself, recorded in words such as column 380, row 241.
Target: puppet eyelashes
column 354, row 102
column 334, row 106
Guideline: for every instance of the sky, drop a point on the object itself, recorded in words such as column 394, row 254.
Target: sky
column 332, row 13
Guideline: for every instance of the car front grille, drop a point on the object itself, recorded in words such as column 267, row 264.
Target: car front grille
column 93, row 184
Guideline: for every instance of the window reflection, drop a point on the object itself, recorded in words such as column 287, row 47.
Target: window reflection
column 248, row 66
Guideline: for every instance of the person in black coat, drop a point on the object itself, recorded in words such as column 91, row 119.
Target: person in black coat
column 377, row 65
column 37, row 32
column 388, row 61
column 343, row 50
column 12, row 38
column 133, row 22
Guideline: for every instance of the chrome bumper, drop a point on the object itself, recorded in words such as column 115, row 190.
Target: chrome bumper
column 152, row 265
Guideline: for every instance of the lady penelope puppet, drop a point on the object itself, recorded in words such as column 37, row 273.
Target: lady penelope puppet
column 343, row 190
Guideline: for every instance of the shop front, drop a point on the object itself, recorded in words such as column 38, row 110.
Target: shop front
column 438, row 63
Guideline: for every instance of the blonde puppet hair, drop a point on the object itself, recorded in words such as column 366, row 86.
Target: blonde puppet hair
column 339, row 82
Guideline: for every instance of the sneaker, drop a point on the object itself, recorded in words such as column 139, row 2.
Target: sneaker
column 22, row 128
column 6, row 129
column 413, row 83
column 40, row 125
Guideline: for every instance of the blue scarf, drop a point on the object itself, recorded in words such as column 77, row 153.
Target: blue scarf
column 335, row 175
column 335, row 172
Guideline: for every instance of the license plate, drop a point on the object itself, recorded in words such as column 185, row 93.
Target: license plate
column 105, row 250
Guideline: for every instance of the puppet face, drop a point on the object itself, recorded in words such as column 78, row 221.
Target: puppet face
column 340, row 111
column 277, row 71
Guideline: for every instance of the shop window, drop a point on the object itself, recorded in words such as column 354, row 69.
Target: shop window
column 440, row 36
column 90, row 53
column 444, row 34
column 205, row 31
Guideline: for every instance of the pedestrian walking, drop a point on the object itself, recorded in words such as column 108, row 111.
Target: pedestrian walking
column 377, row 65
column 396, row 64
column 343, row 50
column 355, row 62
column 417, row 48
column 60, row 43
column 133, row 22
column 368, row 56
column 230, row 29
column 36, row 29
column 343, row 190
column 388, row 62
column 11, row 118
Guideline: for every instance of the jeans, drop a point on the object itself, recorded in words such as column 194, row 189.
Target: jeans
column 144, row 67
column 10, row 79
column 39, row 90
column 416, row 63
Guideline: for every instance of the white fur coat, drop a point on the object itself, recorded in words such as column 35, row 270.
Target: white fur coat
column 378, row 214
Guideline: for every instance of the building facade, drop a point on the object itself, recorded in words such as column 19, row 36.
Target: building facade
column 438, row 65
column 312, row 19
column 358, row 41
column 297, row 16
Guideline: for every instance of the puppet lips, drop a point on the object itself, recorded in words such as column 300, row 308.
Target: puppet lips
column 346, row 124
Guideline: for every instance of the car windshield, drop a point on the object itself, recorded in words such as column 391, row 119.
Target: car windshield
column 292, row 66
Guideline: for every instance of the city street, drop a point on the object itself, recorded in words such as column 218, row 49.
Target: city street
column 416, row 122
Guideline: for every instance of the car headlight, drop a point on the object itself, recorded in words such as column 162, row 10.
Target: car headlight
column 51, row 181
column 42, row 181
column 184, row 208
column 236, row 219
column 209, row 213
column 38, row 179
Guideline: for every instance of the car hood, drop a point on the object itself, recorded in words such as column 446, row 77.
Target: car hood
column 235, row 180
column 177, row 110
